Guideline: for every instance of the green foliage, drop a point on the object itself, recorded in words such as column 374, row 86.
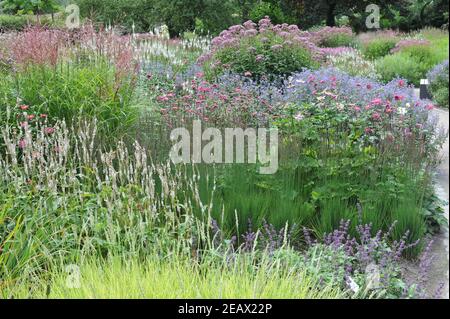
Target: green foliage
column 441, row 96
column 338, row 40
column 179, row 277
column 273, row 11
column 411, row 63
column 439, row 84
column 124, row 13
column 65, row 92
column 379, row 47
column 12, row 23
column 30, row 6
column 179, row 15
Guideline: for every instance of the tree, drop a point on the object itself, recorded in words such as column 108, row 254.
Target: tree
column 181, row 15
column 246, row 7
column 37, row 7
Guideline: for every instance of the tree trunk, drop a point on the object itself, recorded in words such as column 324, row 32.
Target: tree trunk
column 422, row 13
column 331, row 15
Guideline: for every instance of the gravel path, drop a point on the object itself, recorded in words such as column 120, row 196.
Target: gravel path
column 440, row 271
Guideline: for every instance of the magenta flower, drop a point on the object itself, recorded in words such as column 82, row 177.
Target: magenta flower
column 377, row 101
column 376, row 116
column 49, row 130
column 22, row 144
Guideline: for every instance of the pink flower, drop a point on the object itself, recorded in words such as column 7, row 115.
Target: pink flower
column 369, row 87
column 22, row 144
column 401, row 83
column 398, row 97
column 377, row 101
column 357, row 109
column 204, row 89
column 368, row 130
column 430, row 107
column 43, row 116
column 49, row 130
column 163, row 98
column 248, row 74
column 31, row 117
column 376, row 116
column 24, row 107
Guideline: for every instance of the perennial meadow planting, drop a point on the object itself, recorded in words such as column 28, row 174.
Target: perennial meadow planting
column 86, row 178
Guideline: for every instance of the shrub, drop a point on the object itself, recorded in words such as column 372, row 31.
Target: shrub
column 379, row 48
column 124, row 13
column 333, row 37
column 412, row 62
column 12, row 23
column 66, row 77
column 439, row 84
column 144, row 15
column 265, row 9
column 338, row 40
column 410, row 43
column 68, row 91
column 258, row 51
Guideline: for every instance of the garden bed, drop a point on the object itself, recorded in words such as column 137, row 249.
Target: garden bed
column 87, row 177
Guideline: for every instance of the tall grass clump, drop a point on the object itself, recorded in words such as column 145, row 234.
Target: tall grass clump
column 379, row 47
column 181, row 278
column 413, row 58
column 68, row 75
